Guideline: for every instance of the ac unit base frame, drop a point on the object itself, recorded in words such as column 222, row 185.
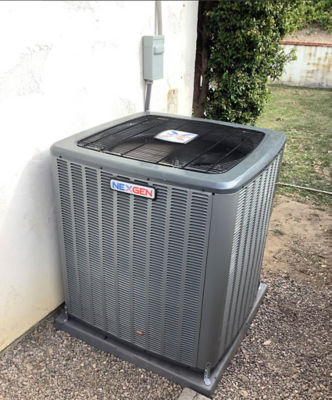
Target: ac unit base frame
column 182, row 375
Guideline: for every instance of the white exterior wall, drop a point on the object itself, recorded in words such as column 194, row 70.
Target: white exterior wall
column 312, row 68
column 65, row 67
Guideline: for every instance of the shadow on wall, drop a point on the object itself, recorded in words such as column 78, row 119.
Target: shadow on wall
column 30, row 285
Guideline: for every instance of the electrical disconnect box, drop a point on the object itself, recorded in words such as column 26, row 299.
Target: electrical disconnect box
column 153, row 57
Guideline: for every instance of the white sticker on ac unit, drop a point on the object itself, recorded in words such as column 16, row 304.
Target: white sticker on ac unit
column 176, row 136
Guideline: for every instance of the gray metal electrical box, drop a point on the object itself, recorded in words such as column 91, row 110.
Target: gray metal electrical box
column 153, row 57
column 163, row 221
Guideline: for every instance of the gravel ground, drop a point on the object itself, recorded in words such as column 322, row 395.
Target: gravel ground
column 284, row 356
column 286, row 352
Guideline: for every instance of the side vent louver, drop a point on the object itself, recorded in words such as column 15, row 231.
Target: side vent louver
column 121, row 276
column 251, row 224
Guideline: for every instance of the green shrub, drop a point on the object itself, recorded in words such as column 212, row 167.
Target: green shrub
column 310, row 12
column 238, row 50
column 244, row 51
column 317, row 12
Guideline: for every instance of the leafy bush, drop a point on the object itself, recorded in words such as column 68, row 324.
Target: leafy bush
column 311, row 12
column 240, row 52
column 317, row 12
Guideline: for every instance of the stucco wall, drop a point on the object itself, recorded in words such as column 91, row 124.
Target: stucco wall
column 312, row 68
column 67, row 66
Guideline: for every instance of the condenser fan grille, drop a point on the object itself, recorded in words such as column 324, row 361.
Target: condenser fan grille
column 215, row 150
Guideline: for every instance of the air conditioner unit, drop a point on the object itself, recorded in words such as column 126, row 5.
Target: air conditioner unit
column 163, row 221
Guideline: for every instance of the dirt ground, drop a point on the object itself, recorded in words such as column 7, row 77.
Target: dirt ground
column 310, row 34
column 299, row 242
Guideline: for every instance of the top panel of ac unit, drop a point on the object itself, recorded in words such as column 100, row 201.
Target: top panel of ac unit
column 200, row 146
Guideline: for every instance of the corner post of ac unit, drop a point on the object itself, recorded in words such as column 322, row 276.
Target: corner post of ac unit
column 207, row 374
column 66, row 313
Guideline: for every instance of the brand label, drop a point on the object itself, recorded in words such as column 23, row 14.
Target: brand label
column 132, row 188
column 176, row 136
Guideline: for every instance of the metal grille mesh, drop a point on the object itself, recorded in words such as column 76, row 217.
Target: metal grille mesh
column 217, row 148
column 252, row 219
column 135, row 267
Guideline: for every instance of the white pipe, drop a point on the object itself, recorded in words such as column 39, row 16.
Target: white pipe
column 158, row 18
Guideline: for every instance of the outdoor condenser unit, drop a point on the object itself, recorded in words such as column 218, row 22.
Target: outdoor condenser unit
column 163, row 222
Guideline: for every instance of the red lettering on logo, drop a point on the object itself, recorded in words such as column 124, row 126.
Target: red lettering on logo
column 141, row 191
column 149, row 193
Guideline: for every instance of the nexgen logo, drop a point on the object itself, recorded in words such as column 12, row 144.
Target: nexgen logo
column 132, row 188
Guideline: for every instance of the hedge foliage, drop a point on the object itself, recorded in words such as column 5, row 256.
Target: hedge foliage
column 244, row 53
column 238, row 50
column 311, row 12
